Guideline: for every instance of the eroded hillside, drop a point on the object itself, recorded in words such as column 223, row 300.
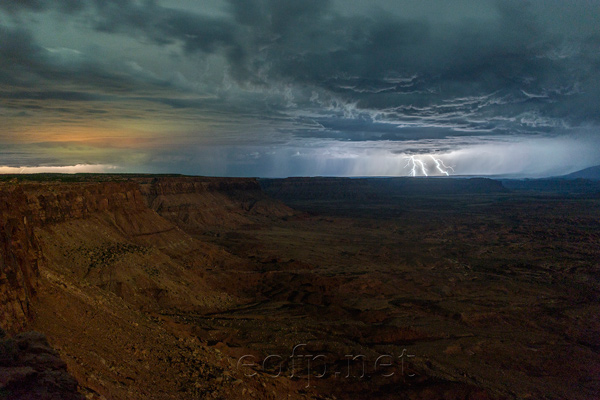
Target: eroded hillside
column 95, row 267
column 157, row 287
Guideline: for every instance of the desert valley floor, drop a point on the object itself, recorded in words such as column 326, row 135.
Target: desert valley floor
column 173, row 287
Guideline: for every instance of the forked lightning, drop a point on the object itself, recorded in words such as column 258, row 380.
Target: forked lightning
column 419, row 166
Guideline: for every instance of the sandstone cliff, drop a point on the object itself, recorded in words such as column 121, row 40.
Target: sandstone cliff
column 98, row 264
column 20, row 257
column 198, row 203
column 121, row 222
column 23, row 209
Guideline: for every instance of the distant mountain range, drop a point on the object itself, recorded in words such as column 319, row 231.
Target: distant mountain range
column 586, row 181
column 591, row 173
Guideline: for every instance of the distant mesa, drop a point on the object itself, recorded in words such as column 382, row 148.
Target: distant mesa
column 585, row 181
column 591, row 173
column 327, row 188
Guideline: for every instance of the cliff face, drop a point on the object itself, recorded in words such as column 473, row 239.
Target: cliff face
column 197, row 204
column 182, row 185
column 54, row 203
column 24, row 208
column 132, row 221
column 20, row 257
column 89, row 256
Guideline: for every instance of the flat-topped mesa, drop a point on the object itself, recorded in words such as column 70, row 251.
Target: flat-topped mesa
column 197, row 204
column 185, row 185
column 52, row 203
column 328, row 188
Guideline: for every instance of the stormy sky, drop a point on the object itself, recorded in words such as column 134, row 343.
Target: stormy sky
column 278, row 88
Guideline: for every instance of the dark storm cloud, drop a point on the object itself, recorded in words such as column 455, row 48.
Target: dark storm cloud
column 515, row 71
column 163, row 25
column 403, row 67
column 393, row 71
column 13, row 6
column 31, row 73
column 47, row 74
column 24, row 63
column 18, row 50
column 366, row 130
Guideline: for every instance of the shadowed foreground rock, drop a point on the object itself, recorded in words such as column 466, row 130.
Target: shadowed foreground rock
column 30, row 369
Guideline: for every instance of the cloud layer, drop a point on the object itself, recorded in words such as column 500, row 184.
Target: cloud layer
column 288, row 87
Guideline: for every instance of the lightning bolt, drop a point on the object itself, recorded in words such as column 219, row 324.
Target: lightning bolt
column 418, row 166
column 415, row 164
column 439, row 164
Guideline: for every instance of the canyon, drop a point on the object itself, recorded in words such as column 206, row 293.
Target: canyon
column 175, row 287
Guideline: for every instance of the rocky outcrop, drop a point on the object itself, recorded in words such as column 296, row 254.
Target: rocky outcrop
column 20, row 257
column 52, row 203
column 197, row 204
column 31, row 370
column 24, row 208
column 185, row 185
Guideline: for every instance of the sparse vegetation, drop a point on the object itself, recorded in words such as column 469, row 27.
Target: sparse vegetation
column 102, row 256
